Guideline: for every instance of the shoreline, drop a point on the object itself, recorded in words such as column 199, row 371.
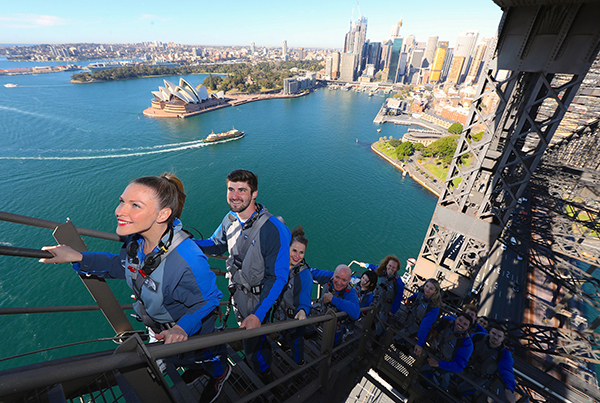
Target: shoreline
column 405, row 168
column 231, row 100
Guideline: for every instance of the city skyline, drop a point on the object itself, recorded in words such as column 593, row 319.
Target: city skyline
column 309, row 24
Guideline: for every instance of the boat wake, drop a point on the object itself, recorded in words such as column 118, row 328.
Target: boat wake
column 113, row 153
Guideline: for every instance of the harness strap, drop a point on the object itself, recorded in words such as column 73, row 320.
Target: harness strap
column 139, row 281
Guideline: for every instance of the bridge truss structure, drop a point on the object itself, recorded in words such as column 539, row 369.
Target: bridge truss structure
column 543, row 54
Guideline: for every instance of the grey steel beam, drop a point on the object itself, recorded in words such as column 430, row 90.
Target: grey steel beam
column 542, row 55
column 100, row 291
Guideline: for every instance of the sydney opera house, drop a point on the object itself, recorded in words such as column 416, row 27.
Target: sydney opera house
column 183, row 100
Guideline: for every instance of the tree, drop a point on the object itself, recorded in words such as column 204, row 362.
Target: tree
column 405, row 150
column 443, row 149
column 212, row 82
column 455, row 128
column 394, row 142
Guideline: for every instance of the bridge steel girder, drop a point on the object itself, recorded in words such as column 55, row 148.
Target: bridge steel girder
column 565, row 343
column 543, row 52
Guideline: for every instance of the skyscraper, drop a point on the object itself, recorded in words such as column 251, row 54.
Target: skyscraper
column 392, row 75
column 386, row 53
column 438, row 61
column 284, row 55
column 348, row 67
column 475, row 67
column 252, row 47
column 355, row 43
column 465, row 44
column 429, row 51
column 396, row 30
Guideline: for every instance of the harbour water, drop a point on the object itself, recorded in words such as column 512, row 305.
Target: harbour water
column 70, row 149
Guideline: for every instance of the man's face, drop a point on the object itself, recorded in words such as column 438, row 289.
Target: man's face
column 461, row 324
column 341, row 278
column 496, row 337
column 240, row 197
column 482, row 322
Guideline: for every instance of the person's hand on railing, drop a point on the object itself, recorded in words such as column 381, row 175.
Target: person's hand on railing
column 172, row 335
column 300, row 315
column 62, row 254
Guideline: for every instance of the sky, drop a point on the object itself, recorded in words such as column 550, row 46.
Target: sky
column 308, row 23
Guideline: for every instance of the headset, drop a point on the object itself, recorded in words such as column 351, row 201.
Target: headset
column 152, row 259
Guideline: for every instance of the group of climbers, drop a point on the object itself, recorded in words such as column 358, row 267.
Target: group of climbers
column 269, row 279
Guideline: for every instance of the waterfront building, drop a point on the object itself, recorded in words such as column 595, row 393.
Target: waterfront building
column 183, row 99
column 335, row 65
column 438, row 62
column 429, row 53
column 328, row 67
column 348, row 63
column 425, row 137
column 290, row 86
column 294, row 85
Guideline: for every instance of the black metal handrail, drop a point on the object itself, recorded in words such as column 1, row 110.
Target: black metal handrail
column 38, row 222
column 23, row 379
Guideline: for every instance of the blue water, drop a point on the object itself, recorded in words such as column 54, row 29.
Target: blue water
column 68, row 151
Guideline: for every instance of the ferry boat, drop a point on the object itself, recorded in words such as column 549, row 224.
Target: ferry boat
column 9, row 85
column 233, row 133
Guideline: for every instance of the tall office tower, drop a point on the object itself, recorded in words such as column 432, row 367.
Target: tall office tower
column 348, row 62
column 252, row 47
column 402, row 66
column 284, row 54
column 335, row 65
column 355, row 41
column 476, row 64
column 329, row 67
column 455, row 69
column 438, row 61
column 415, row 58
column 386, row 53
column 301, row 53
column 392, row 75
column 396, row 30
column 446, row 65
column 413, row 64
column 409, row 44
column 356, row 36
column 465, row 44
column 374, row 55
column 430, row 49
